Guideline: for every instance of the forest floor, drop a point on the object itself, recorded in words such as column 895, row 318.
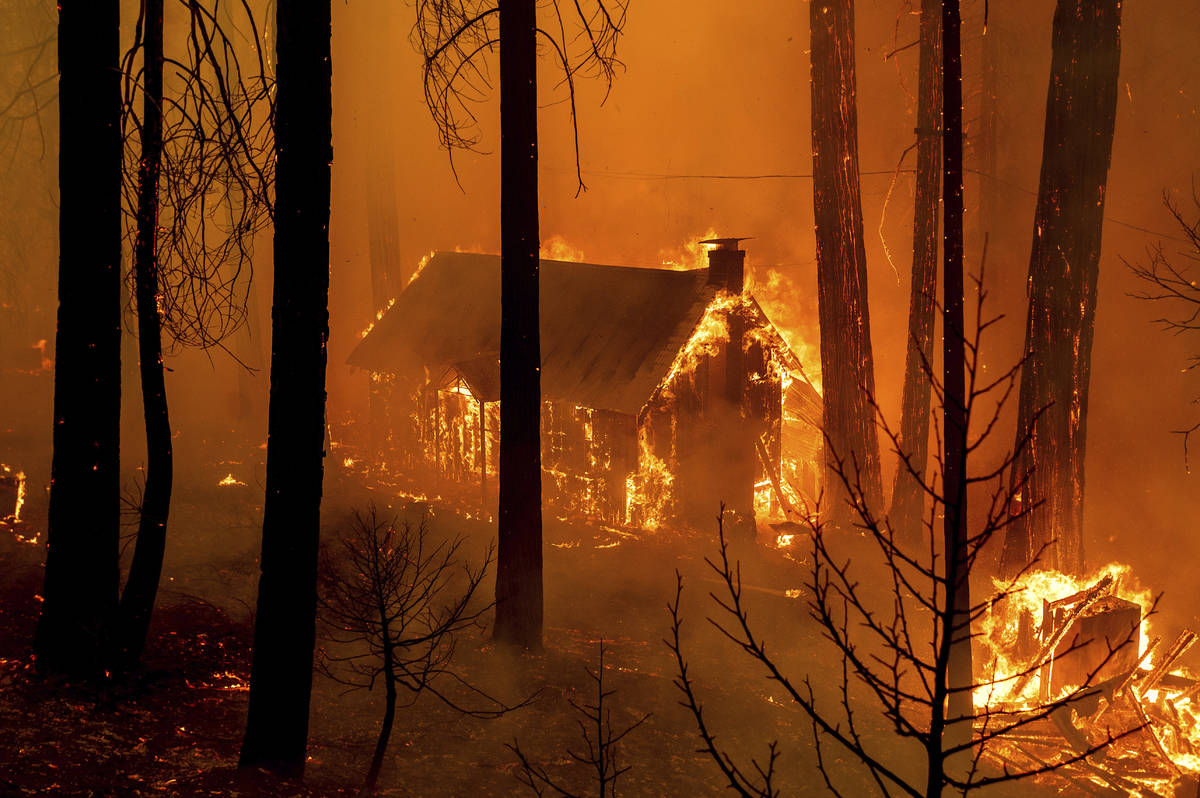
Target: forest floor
column 175, row 729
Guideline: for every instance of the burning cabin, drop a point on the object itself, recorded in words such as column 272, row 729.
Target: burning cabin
column 664, row 392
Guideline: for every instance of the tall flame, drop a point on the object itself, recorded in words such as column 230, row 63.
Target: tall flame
column 691, row 255
column 558, row 248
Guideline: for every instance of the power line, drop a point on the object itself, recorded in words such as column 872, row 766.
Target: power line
column 673, row 176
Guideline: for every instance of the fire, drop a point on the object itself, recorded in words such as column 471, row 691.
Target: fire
column 557, row 248
column 14, row 480
column 1150, row 694
column 1001, row 625
column 18, row 477
column 707, row 338
column 379, row 315
column 789, row 310
column 692, row 255
column 230, row 480
column 648, row 494
column 421, row 264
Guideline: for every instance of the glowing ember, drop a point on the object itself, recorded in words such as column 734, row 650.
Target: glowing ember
column 47, row 364
column 11, row 477
column 226, row 681
column 230, row 480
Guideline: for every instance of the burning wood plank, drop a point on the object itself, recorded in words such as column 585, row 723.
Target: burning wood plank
column 1135, row 702
column 1050, row 643
column 1124, row 682
column 1178, row 648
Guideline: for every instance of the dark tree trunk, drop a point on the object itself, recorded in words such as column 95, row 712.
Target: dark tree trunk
column 908, row 495
column 378, row 35
column 519, row 554
column 956, row 626
column 383, row 239
column 137, row 600
column 988, row 131
column 389, row 718
column 284, row 632
column 74, row 633
column 847, row 366
column 383, row 230
column 1064, row 270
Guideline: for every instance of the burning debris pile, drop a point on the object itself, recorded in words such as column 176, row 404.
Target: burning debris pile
column 1082, row 649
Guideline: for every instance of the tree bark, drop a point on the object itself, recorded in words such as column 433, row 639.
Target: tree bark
column 1064, row 270
column 137, row 600
column 956, row 622
column 284, row 633
column 519, row 554
column 847, row 365
column 908, row 494
column 74, row 633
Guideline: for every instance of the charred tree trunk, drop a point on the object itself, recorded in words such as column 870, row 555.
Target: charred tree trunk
column 284, row 633
column 987, row 138
column 956, row 613
column 847, row 365
column 908, row 494
column 1064, row 270
column 383, row 238
column 137, row 600
column 519, row 555
column 383, row 230
column 82, row 572
column 389, row 713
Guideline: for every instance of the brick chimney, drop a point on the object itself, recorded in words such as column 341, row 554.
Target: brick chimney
column 726, row 264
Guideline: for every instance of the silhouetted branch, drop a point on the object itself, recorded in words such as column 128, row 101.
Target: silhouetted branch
column 218, row 162
column 1175, row 286
column 898, row 649
column 602, row 752
column 454, row 36
column 394, row 605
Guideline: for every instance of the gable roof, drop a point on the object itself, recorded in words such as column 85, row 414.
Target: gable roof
column 609, row 334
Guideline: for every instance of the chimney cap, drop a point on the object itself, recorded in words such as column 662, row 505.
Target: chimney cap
column 727, row 244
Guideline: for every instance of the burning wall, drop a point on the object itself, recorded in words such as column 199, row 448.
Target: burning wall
column 663, row 389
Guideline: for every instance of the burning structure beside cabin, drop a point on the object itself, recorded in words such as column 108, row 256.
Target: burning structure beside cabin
column 664, row 391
